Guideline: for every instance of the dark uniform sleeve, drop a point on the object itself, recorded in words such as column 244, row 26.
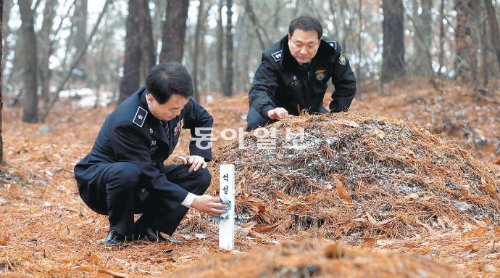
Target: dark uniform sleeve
column 344, row 81
column 131, row 144
column 200, row 122
column 265, row 84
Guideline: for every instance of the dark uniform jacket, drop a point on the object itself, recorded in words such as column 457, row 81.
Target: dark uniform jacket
column 280, row 81
column 132, row 134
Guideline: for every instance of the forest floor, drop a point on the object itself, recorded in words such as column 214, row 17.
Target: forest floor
column 46, row 230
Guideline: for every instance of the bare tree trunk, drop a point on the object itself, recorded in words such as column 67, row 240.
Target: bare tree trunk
column 133, row 53
column 206, row 75
column 441, row 37
column 333, row 11
column 147, row 43
column 1, row 75
column 257, row 27
column 316, row 12
column 80, row 21
column 30, row 102
column 298, row 8
column 484, row 53
column 393, row 62
column 70, row 41
column 18, row 60
column 423, row 29
column 346, row 23
column 246, row 64
column 495, row 34
column 276, row 15
column 174, row 31
column 160, row 7
column 220, row 48
column 359, row 44
column 466, row 59
column 244, row 55
column 98, row 74
column 228, row 89
column 77, row 60
column 197, row 38
column 45, row 49
column 6, row 31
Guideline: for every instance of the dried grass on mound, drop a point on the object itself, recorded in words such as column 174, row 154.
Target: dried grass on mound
column 360, row 176
column 320, row 259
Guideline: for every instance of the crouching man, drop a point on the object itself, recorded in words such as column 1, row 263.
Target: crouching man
column 124, row 173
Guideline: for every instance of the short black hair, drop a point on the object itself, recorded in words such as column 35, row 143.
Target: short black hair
column 164, row 80
column 306, row 23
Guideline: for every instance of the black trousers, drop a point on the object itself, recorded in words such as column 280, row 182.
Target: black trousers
column 118, row 191
column 255, row 120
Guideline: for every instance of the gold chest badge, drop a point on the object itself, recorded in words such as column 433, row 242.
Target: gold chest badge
column 320, row 74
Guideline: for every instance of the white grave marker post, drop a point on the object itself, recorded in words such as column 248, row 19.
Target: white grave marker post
column 227, row 192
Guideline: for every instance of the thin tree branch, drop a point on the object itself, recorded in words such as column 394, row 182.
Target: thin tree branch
column 256, row 24
column 76, row 61
column 418, row 32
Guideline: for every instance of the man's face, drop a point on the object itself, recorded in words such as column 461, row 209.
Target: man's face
column 303, row 45
column 169, row 110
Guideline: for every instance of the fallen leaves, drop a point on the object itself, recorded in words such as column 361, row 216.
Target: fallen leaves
column 36, row 236
column 341, row 188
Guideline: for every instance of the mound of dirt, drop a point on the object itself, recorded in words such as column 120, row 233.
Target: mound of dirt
column 357, row 176
column 318, row 259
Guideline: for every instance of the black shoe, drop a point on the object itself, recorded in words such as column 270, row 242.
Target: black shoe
column 151, row 235
column 114, row 239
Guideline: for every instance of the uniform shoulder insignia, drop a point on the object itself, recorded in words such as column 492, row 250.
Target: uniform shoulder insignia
column 140, row 116
column 342, row 60
column 277, row 55
column 332, row 44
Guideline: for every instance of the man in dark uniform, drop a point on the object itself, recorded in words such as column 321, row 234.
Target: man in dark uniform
column 124, row 173
column 294, row 72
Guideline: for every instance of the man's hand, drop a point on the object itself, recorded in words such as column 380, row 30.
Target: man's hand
column 278, row 113
column 196, row 162
column 209, row 205
column 178, row 158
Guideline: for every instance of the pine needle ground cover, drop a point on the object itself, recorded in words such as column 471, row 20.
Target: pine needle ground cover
column 377, row 188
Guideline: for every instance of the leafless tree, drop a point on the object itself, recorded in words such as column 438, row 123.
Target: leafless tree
column 495, row 33
column 1, row 100
column 104, row 61
column 139, row 51
column 6, row 31
column 259, row 30
column 223, row 54
column 359, row 43
column 30, row 102
column 147, row 42
column 422, row 23
column 441, row 37
column 133, row 52
column 45, row 49
column 174, row 31
column 157, row 20
column 220, row 46
column 393, row 64
column 466, row 58
column 80, row 19
column 228, row 89
column 198, row 39
column 75, row 62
